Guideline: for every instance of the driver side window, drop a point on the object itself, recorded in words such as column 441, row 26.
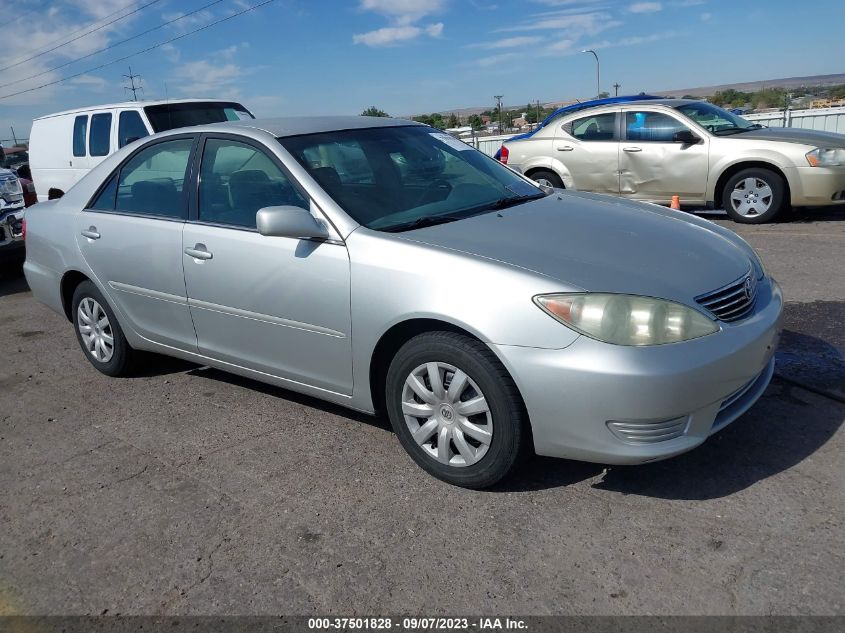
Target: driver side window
column 236, row 180
column 651, row 127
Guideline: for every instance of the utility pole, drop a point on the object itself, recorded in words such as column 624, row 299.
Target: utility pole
column 538, row 113
column 616, row 86
column 14, row 138
column 498, row 99
column 132, row 85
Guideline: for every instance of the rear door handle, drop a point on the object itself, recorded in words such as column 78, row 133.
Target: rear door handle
column 199, row 252
column 632, row 149
column 565, row 148
column 91, row 233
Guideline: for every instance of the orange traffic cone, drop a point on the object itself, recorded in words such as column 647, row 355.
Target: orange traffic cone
column 676, row 203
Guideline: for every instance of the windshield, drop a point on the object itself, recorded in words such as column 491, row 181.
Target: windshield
column 400, row 178
column 172, row 115
column 716, row 120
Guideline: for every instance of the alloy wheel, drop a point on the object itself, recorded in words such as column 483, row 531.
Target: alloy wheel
column 751, row 197
column 95, row 329
column 447, row 415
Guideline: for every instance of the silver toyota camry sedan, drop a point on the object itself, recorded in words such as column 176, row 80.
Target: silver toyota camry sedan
column 384, row 266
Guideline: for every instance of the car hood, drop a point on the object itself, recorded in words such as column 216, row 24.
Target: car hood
column 793, row 135
column 600, row 244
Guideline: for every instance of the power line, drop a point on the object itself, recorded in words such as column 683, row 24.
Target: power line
column 141, row 52
column 110, row 46
column 79, row 37
column 74, row 32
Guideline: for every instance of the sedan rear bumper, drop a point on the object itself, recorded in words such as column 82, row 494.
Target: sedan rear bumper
column 628, row 405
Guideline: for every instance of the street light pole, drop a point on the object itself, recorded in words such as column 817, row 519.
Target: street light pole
column 598, row 71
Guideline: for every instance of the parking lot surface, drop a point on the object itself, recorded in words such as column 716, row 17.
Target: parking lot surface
column 185, row 490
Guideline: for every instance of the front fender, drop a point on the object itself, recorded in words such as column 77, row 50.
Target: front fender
column 724, row 163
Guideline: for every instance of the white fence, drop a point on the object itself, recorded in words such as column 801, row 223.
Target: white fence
column 824, row 119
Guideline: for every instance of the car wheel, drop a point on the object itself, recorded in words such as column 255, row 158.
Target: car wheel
column 548, row 178
column 456, row 410
column 754, row 196
column 99, row 333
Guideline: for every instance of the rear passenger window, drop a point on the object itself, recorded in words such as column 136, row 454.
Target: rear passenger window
column 99, row 141
column 152, row 181
column 80, row 132
column 236, row 180
column 106, row 199
column 599, row 127
column 130, row 127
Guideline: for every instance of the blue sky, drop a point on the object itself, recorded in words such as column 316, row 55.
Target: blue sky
column 406, row 56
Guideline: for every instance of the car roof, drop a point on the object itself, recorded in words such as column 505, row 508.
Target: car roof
column 133, row 104
column 294, row 126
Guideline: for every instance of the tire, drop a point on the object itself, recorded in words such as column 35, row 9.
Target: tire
column 89, row 302
column 544, row 176
column 754, row 196
column 505, row 417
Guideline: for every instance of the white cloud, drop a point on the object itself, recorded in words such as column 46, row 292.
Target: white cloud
column 509, row 42
column 207, row 79
column 645, row 7
column 568, row 23
column 404, row 16
column 495, row 60
column 706, row 16
column 403, row 12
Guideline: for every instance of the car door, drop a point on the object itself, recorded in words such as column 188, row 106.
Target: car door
column 272, row 304
column 654, row 167
column 589, row 148
column 131, row 238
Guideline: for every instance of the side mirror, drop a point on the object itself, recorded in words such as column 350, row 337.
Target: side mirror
column 686, row 137
column 289, row 221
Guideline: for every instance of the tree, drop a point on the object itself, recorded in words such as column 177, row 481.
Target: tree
column 422, row 118
column 374, row 111
column 475, row 122
column 453, row 121
column 604, row 95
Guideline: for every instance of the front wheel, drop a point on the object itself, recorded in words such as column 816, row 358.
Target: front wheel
column 548, row 178
column 754, row 196
column 456, row 410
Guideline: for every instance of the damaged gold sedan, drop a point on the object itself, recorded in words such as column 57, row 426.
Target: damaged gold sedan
column 653, row 149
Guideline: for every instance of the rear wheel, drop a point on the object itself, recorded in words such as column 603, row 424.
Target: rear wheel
column 98, row 332
column 456, row 410
column 546, row 177
column 754, row 196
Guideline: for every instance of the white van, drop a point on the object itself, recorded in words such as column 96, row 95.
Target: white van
column 65, row 146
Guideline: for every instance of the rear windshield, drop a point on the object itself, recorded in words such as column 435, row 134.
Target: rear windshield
column 172, row 115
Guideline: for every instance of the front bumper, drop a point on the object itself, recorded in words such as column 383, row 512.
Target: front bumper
column 817, row 186
column 11, row 239
column 695, row 388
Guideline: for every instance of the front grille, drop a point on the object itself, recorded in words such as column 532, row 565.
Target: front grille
column 732, row 302
column 648, row 432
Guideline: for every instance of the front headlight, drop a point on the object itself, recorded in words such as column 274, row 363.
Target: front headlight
column 826, row 157
column 627, row 319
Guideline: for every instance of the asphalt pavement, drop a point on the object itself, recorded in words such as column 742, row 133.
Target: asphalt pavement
column 184, row 490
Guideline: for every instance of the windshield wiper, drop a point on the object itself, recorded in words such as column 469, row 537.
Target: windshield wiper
column 504, row 203
column 737, row 130
column 419, row 223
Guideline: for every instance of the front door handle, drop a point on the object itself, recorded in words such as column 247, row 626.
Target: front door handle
column 632, row 149
column 565, row 148
column 199, row 252
column 91, row 233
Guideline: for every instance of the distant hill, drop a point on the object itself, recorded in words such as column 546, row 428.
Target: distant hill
column 705, row 91
column 753, row 86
